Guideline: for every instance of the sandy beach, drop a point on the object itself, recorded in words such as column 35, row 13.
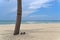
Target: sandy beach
column 49, row 31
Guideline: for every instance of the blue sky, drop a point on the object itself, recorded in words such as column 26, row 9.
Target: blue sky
column 31, row 9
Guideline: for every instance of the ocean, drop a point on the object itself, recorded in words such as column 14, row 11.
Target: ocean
column 29, row 21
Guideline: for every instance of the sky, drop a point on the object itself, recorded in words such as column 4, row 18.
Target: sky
column 31, row 9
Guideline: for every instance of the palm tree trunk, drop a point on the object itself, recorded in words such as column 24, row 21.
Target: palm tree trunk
column 18, row 20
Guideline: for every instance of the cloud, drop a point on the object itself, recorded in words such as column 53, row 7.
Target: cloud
column 34, row 5
column 39, row 3
column 40, row 16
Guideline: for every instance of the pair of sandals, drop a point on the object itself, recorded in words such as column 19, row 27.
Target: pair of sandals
column 22, row 33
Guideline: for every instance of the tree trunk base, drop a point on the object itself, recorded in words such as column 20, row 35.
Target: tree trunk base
column 16, row 33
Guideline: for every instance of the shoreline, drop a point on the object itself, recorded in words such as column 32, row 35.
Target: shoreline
column 35, row 23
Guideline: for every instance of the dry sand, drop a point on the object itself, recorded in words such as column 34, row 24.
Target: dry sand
column 50, row 31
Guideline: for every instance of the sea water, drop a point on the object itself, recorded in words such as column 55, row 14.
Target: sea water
column 29, row 21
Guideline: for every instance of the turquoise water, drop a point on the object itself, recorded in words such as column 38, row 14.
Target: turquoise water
column 29, row 21
column 7, row 21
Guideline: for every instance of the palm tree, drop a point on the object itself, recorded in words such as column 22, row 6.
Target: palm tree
column 18, row 20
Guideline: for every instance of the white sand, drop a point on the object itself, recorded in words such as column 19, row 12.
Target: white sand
column 50, row 31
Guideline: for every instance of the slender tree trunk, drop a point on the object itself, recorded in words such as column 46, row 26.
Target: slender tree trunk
column 18, row 20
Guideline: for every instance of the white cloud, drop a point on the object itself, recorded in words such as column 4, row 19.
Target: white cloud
column 39, row 3
column 35, row 4
column 40, row 16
